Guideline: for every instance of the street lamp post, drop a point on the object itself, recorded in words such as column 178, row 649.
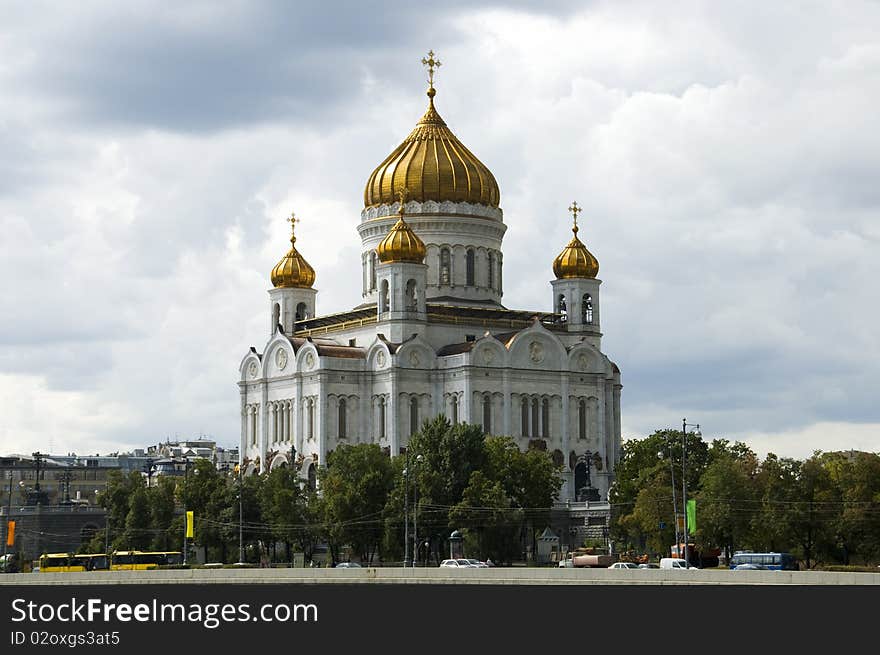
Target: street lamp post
column 237, row 471
column 674, row 504
column 8, row 519
column 406, row 511
column 418, row 461
column 684, row 426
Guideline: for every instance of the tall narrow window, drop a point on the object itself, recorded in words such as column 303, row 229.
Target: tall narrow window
column 383, row 297
column 382, row 417
column 500, row 277
column 562, row 308
column 582, row 419
column 373, row 261
column 301, row 312
column 487, row 414
column 469, row 268
column 276, row 317
column 545, row 418
column 341, row 418
column 412, row 302
column 413, row 415
column 587, row 309
column 535, row 413
column 491, row 270
column 445, row 264
column 311, row 418
column 524, row 409
column 454, row 410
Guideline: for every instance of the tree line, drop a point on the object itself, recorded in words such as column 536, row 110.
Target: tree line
column 452, row 477
column 824, row 509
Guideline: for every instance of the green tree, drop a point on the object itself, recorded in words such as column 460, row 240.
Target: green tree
column 137, row 534
column 161, row 503
column 284, row 506
column 355, row 485
column 487, row 519
column 727, row 499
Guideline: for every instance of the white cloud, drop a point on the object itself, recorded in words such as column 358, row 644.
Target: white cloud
column 726, row 161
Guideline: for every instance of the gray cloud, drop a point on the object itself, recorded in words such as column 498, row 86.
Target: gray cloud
column 726, row 164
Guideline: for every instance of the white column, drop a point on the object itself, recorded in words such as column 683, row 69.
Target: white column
column 508, row 401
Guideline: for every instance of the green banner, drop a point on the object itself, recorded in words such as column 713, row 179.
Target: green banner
column 692, row 516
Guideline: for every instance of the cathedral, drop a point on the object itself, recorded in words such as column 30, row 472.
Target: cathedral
column 432, row 335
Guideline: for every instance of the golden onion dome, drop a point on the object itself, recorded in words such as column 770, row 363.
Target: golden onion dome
column 433, row 164
column 401, row 244
column 575, row 261
column 293, row 270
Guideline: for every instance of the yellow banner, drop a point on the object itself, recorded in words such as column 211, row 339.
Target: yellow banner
column 10, row 533
column 189, row 525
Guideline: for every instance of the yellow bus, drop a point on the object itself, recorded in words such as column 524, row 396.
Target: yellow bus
column 137, row 560
column 70, row 563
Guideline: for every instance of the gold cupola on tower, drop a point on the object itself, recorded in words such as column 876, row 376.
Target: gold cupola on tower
column 401, row 244
column 432, row 163
column 575, row 261
column 293, row 270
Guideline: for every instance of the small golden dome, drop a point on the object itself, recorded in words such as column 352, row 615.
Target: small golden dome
column 293, row 270
column 575, row 261
column 433, row 164
column 401, row 244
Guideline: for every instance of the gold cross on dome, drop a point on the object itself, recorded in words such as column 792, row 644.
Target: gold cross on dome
column 575, row 210
column 431, row 63
column 293, row 220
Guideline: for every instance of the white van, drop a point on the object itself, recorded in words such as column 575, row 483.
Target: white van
column 675, row 563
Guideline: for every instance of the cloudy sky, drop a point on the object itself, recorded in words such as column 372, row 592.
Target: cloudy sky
column 726, row 158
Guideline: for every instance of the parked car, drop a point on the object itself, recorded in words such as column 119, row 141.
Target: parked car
column 676, row 563
column 348, row 565
column 649, row 565
column 457, row 564
column 624, row 565
column 478, row 564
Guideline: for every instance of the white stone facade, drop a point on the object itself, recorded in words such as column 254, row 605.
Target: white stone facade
column 440, row 342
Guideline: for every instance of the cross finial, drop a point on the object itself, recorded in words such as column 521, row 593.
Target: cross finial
column 575, row 210
column 293, row 220
column 431, row 63
column 402, row 194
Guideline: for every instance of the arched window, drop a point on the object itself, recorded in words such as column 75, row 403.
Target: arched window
column 341, row 418
column 412, row 302
column 491, row 270
column 469, row 267
column 487, row 413
column 535, row 413
column 445, row 267
column 545, row 418
column 454, row 410
column 276, row 317
column 311, row 418
column 382, row 417
column 582, row 419
column 383, row 297
column 413, row 415
column 587, row 309
column 373, row 261
column 562, row 308
column 301, row 312
column 525, row 416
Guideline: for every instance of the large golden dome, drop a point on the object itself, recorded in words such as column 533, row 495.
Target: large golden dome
column 401, row 244
column 293, row 270
column 575, row 261
column 434, row 165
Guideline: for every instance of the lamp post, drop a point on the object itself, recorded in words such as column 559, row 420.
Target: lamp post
column 684, row 426
column 237, row 472
column 185, row 491
column 418, row 461
column 8, row 519
column 674, row 504
column 406, row 511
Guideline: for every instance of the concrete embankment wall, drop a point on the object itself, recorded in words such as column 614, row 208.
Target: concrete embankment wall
column 437, row 576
